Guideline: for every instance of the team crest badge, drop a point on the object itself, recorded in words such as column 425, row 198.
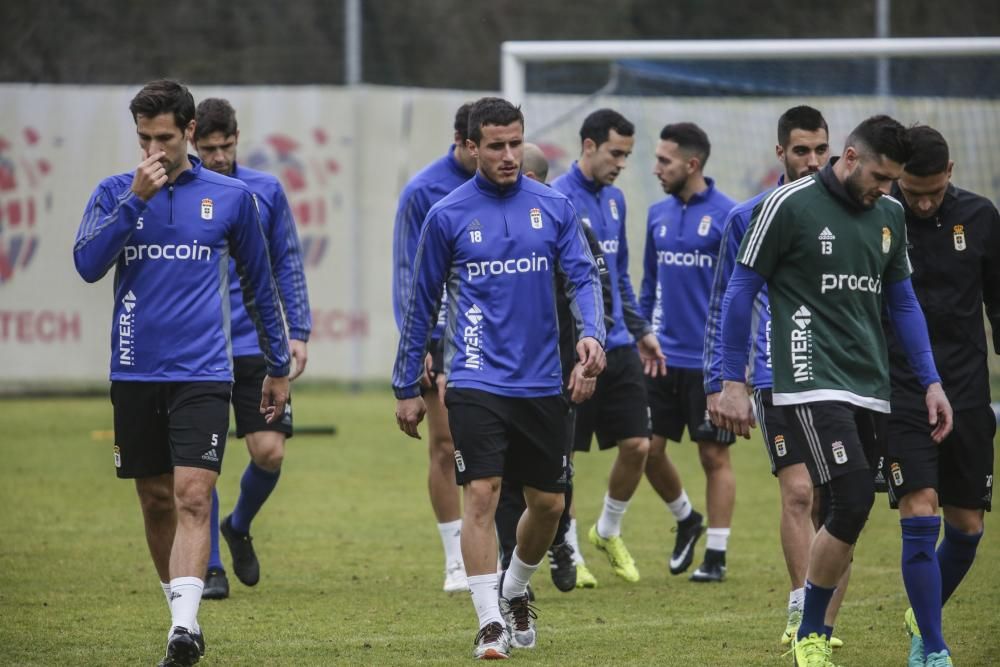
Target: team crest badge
column 779, row 445
column 839, row 452
column 536, row 218
column 613, row 205
column 886, row 240
column 897, row 474
column 705, row 225
column 206, row 209
column 959, row 235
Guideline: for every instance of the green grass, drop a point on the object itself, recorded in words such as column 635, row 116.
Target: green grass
column 352, row 563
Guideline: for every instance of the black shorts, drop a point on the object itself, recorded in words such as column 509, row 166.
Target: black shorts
column 678, row 400
column 248, row 374
column 839, row 438
column 162, row 425
column 783, row 447
column 520, row 439
column 619, row 408
column 960, row 468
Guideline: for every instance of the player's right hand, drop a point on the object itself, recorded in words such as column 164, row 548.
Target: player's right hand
column 734, row 409
column 273, row 397
column 712, row 405
column 591, row 356
column 149, row 177
column 939, row 414
column 580, row 386
column 409, row 414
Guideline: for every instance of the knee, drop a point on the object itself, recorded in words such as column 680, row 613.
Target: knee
column 481, row 496
column 194, row 499
column 155, row 498
column 657, row 450
column 922, row 502
column 797, row 497
column 851, row 500
column 714, row 457
column 270, row 459
column 634, row 449
column 549, row 505
column 442, row 450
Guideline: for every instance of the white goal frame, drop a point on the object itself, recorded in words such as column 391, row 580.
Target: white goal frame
column 514, row 56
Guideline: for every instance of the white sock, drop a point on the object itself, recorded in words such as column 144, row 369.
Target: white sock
column 515, row 582
column 681, row 506
column 717, row 538
column 610, row 522
column 185, row 598
column 451, row 538
column 166, row 592
column 797, row 598
column 574, row 541
column 483, row 588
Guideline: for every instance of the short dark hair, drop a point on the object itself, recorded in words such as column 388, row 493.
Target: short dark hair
column 598, row 125
column 690, row 138
column 491, row 111
column 462, row 121
column 215, row 115
column 164, row 96
column 801, row 117
column 930, row 151
column 884, row 136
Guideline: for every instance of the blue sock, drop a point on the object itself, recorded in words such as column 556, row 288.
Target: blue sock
column 814, row 609
column 214, row 559
column 255, row 486
column 828, row 631
column 955, row 556
column 922, row 577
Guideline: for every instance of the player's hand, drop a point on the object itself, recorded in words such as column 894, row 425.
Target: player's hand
column 734, row 409
column 654, row 362
column 409, row 414
column 591, row 356
column 300, row 355
column 426, row 381
column 149, row 177
column 712, row 405
column 580, row 386
column 939, row 413
column 273, row 397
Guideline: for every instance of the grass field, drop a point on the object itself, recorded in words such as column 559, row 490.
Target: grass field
column 352, row 565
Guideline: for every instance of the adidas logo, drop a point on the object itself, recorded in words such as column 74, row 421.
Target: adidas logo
column 210, row 455
column 475, row 224
column 174, row 596
column 826, row 235
column 802, row 317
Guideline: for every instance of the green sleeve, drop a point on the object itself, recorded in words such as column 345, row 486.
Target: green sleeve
column 767, row 237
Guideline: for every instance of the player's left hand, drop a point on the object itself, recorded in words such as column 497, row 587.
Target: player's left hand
column 273, row 397
column 654, row 362
column 300, row 355
column 409, row 414
column 734, row 409
column 591, row 356
column 939, row 413
column 580, row 386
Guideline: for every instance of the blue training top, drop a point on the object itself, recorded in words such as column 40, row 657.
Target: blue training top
column 499, row 250
column 682, row 249
column 171, row 258
column 286, row 264
column 734, row 230
column 602, row 209
column 426, row 188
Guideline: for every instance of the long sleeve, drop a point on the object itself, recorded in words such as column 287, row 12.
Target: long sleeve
column 647, row 291
column 260, row 293
column 636, row 324
column 991, row 279
column 289, row 273
column 107, row 226
column 910, row 328
column 732, row 236
column 737, row 307
column 406, row 235
column 583, row 285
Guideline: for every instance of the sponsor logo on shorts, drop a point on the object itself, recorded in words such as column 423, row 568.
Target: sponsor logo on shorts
column 897, row 474
column 118, row 457
column 839, row 453
column 851, row 282
column 459, row 461
column 472, row 336
column 779, row 445
column 801, row 346
column 958, row 234
column 126, row 330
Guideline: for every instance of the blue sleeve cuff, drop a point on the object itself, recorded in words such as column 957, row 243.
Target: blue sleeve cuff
column 278, row 371
column 411, row 391
column 299, row 334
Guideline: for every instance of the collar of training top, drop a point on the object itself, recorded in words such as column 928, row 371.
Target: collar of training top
column 836, row 188
column 577, row 175
column 488, row 187
column 189, row 174
column 698, row 197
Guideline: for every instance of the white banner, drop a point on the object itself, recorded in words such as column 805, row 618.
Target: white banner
column 343, row 156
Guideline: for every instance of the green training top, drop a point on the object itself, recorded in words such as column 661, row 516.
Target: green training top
column 826, row 260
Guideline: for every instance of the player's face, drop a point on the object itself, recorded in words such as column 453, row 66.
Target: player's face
column 500, row 150
column 924, row 194
column 806, row 153
column 871, row 178
column 160, row 133
column 606, row 161
column 218, row 151
column 673, row 167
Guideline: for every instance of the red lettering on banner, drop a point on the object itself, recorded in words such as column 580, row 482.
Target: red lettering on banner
column 338, row 325
column 43, row 326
